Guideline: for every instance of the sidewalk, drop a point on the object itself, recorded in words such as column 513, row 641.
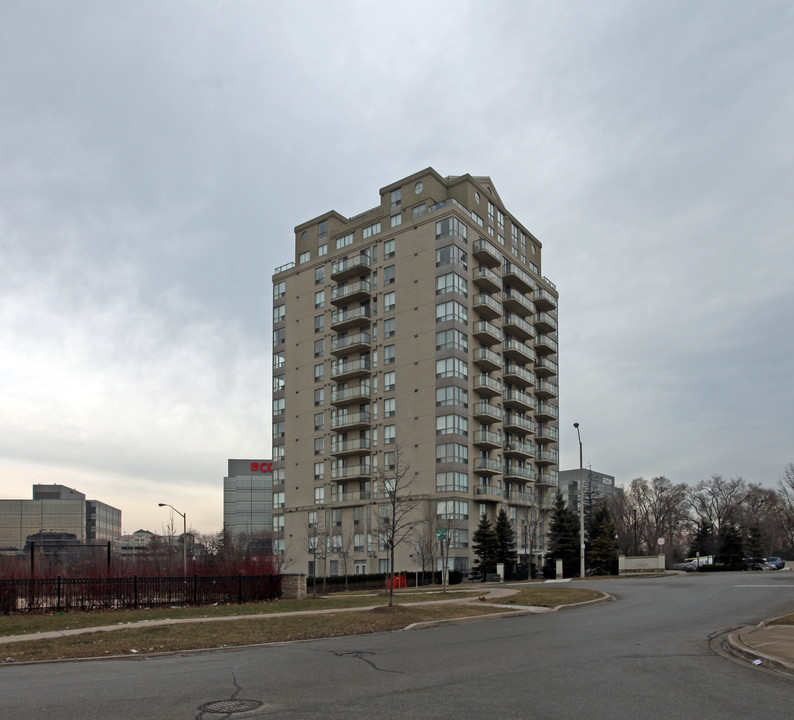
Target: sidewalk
column 772, row 645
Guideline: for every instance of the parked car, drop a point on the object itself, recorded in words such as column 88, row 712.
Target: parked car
column 778, row 562
column 758, row 564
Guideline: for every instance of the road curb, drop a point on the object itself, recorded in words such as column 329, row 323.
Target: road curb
column 737, row 647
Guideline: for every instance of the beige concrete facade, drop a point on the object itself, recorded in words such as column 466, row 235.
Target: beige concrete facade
column 423, row 325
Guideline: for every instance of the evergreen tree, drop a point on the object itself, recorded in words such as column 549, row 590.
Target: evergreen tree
column 563, row 539
column 485, row 545
column 731, row 548
column 506, row 543
column 705, row 542
column 602, row 550
column 755, row 545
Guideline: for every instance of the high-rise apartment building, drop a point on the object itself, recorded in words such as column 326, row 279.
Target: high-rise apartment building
column 422, row 327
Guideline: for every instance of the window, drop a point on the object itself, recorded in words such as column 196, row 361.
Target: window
column 319, row 323
column 358, row 542
column 452, row 310
column 319, row 396
column 322, row 249
column 278, row 360
column 389, row 354
column 279, row 290
column 319, row 446
column 389, row 433
column 319, row 496
column 304, row 257
column 278, row 452
column 278, row 383
column 452, row 282
column 389, row 301
column 319, row 474
column 452, row 339
column 389, row 328
column 451, row 255
column 500, row 221
column 279, row 313
column 319, row 350
column 319, row 299
column 278, row 406
column 319, row 372
column 452, row 425
column 279, row 336
column 371, row 230
column 452, row 395
column 389, row 380
column 336, row 517
column 490, row 212
column 451, row 227
column 322, row 229
column 452, row 452
column 278, row 499
column 452, row 509
column 344, row 241
column 534, row 268
column 452, row 368
column 396, row 197
column 417, row 211
column 396, row 220
column 319, row 421
column 477, row 219
column 278, row 523
column 389, row 407
column 319, row 275
column 278, row 476
column 388, row 249
column 278, row 429
column 388, row 275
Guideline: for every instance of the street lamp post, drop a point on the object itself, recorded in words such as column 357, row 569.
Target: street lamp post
column 184, row 536
column 581, row 504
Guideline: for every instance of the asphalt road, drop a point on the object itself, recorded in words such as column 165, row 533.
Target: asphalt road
column 650, row 655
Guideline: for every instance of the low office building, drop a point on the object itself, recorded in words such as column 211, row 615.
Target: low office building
column 598, row 486
column 248, row 498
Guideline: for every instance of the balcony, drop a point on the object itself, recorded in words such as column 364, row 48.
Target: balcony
column 485, row 491
column 487, row 466
column 344, row 319
column 351, row 421
column 358, row 446
column 487, row 333
column 517, row 303
column 352, row 292
column 548, row 477
column 545, row 367
column 547, row 433
column 518, row 278
column 517, row 326
column 546, row 389
column 545, row 412
column 347, row 344
column 518, row 400
column 350, row 267
column 513, row 471
column 545, row 345
column 545, row 323
column 518, row 375
column 486, row 279
column 518, row 351
column 486, row 253
column 516, row 497
column 486, row 359
column 486, row 386
column 349, row 369
column 486, row 306
column 486, row 412
column 355, row 394
column 487, row 440
column 544, row 300
column 352, row 472
column 547, row 456
column 513, row 422
column 354, row 498
column 519, row 449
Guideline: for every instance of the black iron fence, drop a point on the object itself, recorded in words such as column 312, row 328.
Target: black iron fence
column 64, row 594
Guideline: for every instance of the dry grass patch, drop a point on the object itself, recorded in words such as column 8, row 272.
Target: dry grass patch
column 785, row 620
column 212, row 635
column 548, row 596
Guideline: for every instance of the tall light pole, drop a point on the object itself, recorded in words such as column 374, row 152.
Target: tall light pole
column 184, row 536
column 581, row 505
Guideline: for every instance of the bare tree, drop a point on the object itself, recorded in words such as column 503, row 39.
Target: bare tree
column 318, row 543
column 715, row 501
column 652, row 510
column 426, row 538
column 786, row 488
column 398, row 521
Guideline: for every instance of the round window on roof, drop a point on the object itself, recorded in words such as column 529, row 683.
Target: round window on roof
column 419, row 187
column 304, row 236
column 477, row 197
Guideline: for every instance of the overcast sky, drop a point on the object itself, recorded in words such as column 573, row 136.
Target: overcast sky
column 156, row 156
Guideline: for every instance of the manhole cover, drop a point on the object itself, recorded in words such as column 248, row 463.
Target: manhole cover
column 230, row 706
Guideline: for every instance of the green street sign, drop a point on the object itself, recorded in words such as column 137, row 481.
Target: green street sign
column 441, row 534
